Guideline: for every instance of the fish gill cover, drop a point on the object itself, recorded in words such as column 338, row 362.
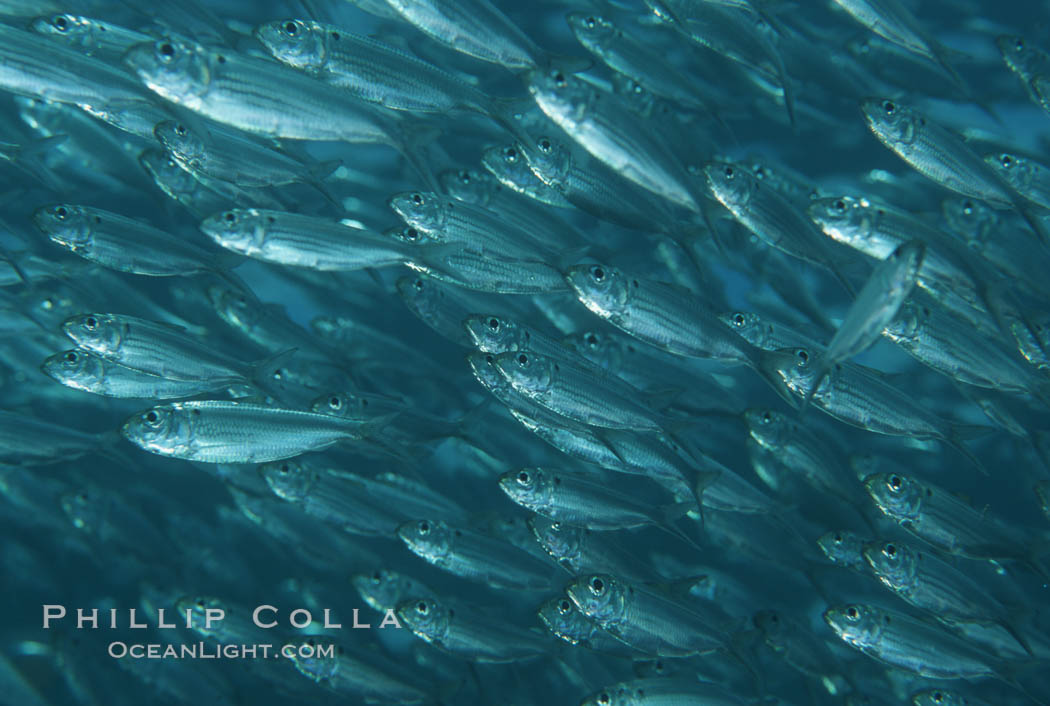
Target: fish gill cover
column 477, row 351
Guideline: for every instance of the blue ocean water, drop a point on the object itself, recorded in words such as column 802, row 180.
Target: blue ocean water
column 114, row 527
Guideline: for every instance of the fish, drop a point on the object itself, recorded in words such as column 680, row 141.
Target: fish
column 916, row 646
column 474, row 555
column 93, row 37
column 470, row 636
column 122, row 243
column 941, row 156
column 642, row 619
column 216, row 431
column 877, row 304
column 302, row 241
column 656, row 691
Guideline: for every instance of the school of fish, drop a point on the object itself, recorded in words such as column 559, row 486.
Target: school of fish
column 607, row 352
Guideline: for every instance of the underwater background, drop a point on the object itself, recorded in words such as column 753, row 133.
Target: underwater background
column 434, row 410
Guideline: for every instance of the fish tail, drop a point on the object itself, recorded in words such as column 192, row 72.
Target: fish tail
column 960, row 432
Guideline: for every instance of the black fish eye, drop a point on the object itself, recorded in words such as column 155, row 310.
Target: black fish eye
column 598, row 274
column 285, row 468
column 411, row 233
column 490, row 359
column 729, row 172
column 803, row 355
column 852, row 613
column 90, row 323
column 61, row 213
column 890, row 550
column 334, row 402
column 767, row 417
column 559, row 79
column 564, row 606
column 938, row 697
column 597, row 586
column 510, row 154
column 1019, row 45
column 377, row 576
column 167, row 50
column 418, row 284
column 774, row 618
column 229, row 216
column 60, row 23
column 291, row 28
column 71, row 356
column 422, row 608
column 968, row 207
column 895, row 482
column 590, row 22
column 591, row 339
column 424, row 527
column 523, row 359
column 417, row 199
column 603, row 699
column 152, row 417
column 738, row 319
column 889, row 107
column 545, row 144
column 838, row 537
column 524, row 478
column 840, row 206
column 180, row 130
column 1007, row 161
column 494, row 324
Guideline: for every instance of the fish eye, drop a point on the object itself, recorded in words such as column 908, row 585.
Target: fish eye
column 968, row 208
column 598, row 274
column 417, row 199
column 152, row 417
column 545, row 144
column 291, row 28
column 774, row 618
column 71, row 356
column 180, row 130
column 591, row 339
column 839, row 206
column 739, row 319
column 285, row 468
column 510, row 155
column 1007, row 161
column 603, row 699
column 90, row 323
column 377, row 576
column 937, row 697
column 60, row 23
column 411, row 233
column 729, row 172
column 852, row 613
column 418, row 284
column 524, row 478
column 167, row 50
column 838, row 537
column 60, row 212
column 1019, row 44
column 803, row 355
column 597, row 586
column 424, row 528
column 494, row 323
column 895, row 483
column 523, row 359
column 890, row 550
column 490, row 359
column 559, row 79
column 422, row 608
column 334, row 402
column 590, row 22
column 889, row 107
column 229, row 216
column 767, row 417
column 334, row 36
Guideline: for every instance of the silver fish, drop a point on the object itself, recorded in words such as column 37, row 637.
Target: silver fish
column 238, row 432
